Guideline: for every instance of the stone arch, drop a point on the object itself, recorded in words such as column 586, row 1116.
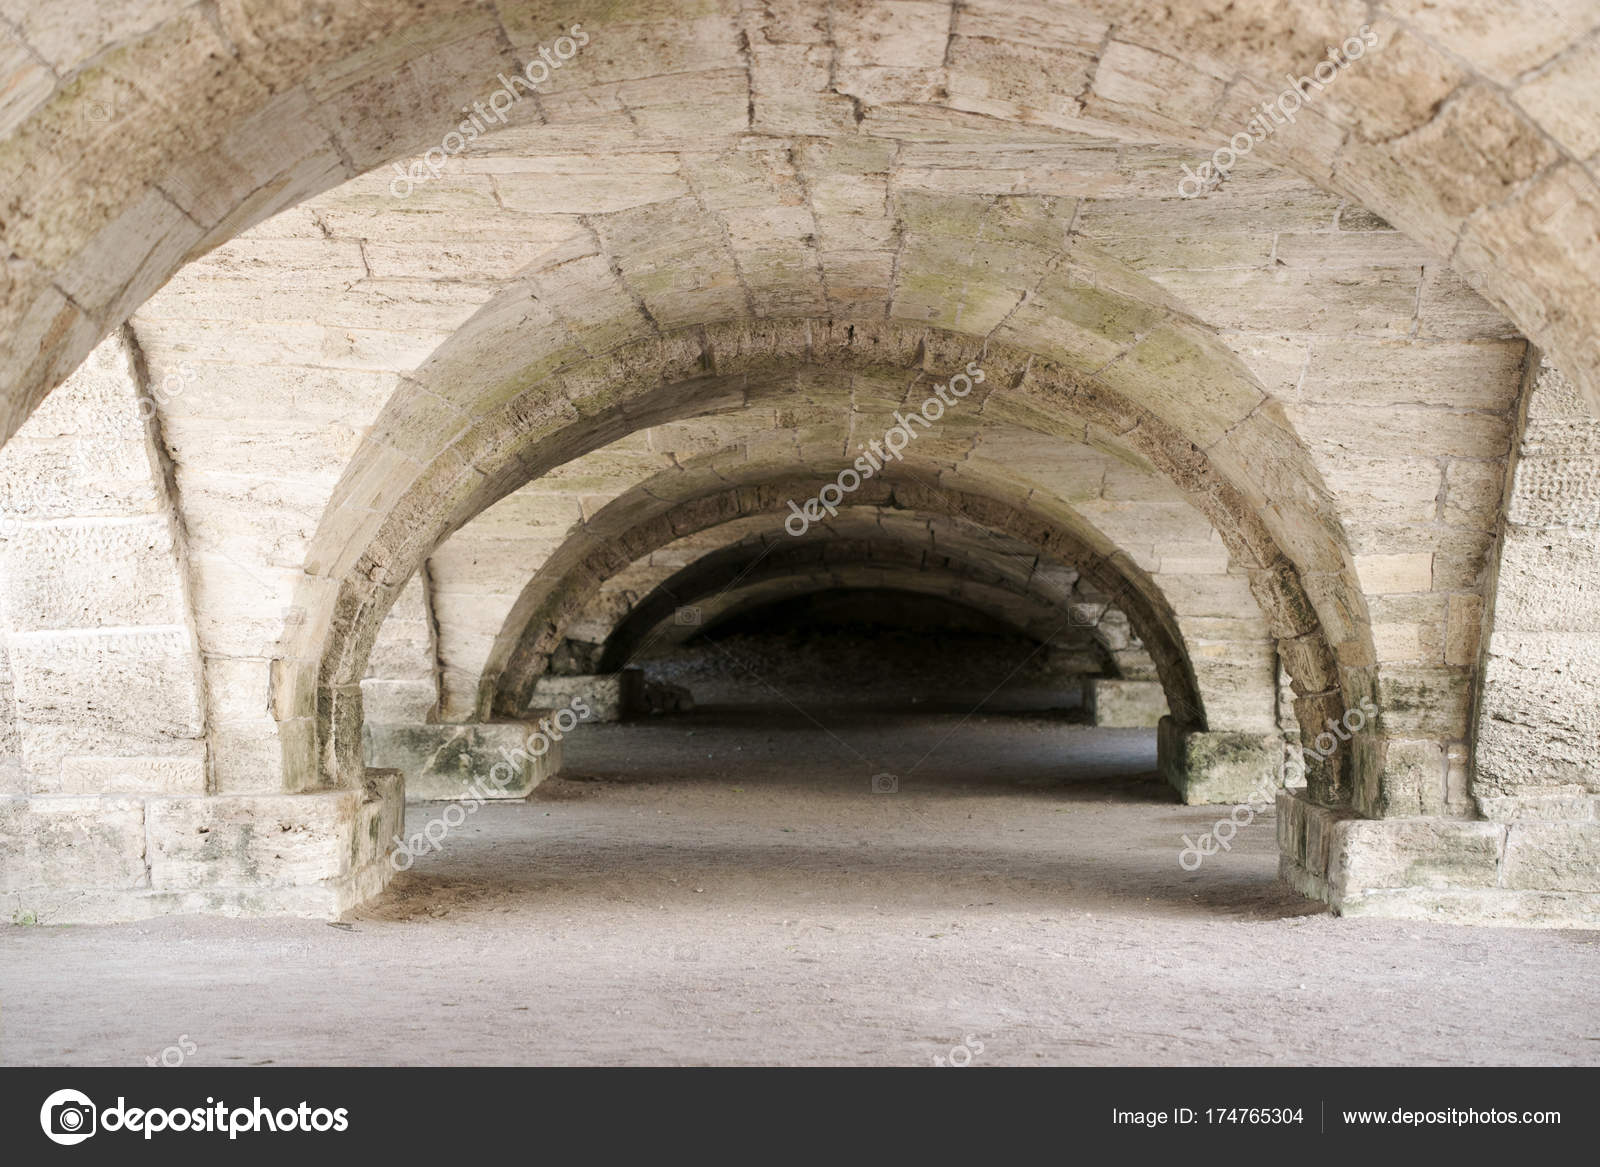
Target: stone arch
column 599, row 399
column 75, row 263
column 536, row 624
column 739, row 578
column 1458, row 137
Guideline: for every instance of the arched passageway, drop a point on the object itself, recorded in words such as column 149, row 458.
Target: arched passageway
column 358, row 444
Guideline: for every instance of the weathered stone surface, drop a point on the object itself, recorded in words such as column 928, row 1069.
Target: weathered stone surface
column 610, row 697
column 61, row 843
column 1402, row 853
column 1538, row 728
column 1553, row 856
column 491, row 760
column 1266, row 380
column 1212, row 767
column 251, row 841
column 1125, row 704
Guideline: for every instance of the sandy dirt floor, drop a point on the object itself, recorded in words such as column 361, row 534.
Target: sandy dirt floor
column 728, row 888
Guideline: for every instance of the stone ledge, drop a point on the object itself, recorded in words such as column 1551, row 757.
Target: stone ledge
column 326, row 900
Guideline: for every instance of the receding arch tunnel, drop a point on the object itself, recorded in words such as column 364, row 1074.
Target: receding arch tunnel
column 333, row 470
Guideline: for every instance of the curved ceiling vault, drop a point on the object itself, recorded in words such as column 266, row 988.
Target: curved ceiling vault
column 374, row 540
column 758, row 212
column 750, row 574
column 990, row 552
column 1458, row 136
column 961, row 506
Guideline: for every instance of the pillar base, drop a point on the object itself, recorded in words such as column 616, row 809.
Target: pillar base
column 1457, row 871
column 442, row 763
column 610, row 696
column 87, row 860
column 1218, row 767
column 1124, row 704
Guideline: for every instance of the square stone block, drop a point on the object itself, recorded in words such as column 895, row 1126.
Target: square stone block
column 1125, row 704
column 610, row 696
column 448, row 762
column 1219, row 767
column 58, row 842
column 1544, row 856
column 251, row 840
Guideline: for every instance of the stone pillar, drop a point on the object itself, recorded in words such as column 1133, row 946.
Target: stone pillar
column 108, row 803
column 402, row 682
column 1531, row 853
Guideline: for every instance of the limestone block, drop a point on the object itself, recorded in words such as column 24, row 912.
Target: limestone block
column 251, row 840
column 610, row 696
column 398, row 702
column 1218, row 767
column 1263, row 299
column 183, row 774
column 1424, row 701
column 1550, row 804
column 105, row 693
column 1237, row 683
column 1564, row 101
column 1389, row 574
column 1306, row 834
column 1386, row 490
column 1414, row 777
column 1553, row 856
column 1374, row 854
column 380, row 817
column 444, row 762
column 237, row 688
column 260, row 755
column 65, row 842
column 1463, row 375
column 80, row 575
column 1126, row 704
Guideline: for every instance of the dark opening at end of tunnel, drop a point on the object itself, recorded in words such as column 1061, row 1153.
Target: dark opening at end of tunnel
column 874, row 690
column 874, row 650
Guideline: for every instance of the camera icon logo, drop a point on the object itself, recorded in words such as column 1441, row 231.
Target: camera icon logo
column 885, row 784
column 688, row 617
column 68, row 1117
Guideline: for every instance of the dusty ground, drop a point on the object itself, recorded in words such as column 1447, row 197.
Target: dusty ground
column 740, row 895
